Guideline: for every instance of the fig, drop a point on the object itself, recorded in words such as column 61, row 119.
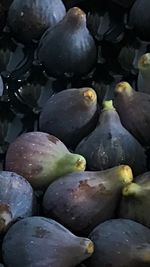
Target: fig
column 17, row 199
column 139, row 18
column 135, row 202
column 29, row 19
column 68, row 48
column 110, row 144
column 120, row 243
column 134, row 111
column 38, row 241
column 70, row 115
column 80, row 201
column 41, row 158
column 144, row 73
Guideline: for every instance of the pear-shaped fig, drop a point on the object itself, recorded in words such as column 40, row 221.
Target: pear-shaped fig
column 120, row 243
column 80, row 201
column 38, row 241
column 135, row 204
column 29, row 19
column 110, row 144
column 68, row 48
column 134, row 111
column 144, row 73
column 139, row 18
column 70, row 115
column 17, row 199
column 41, row 158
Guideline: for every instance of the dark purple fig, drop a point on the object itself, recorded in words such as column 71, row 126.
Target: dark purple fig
column 41, row 158
column 80, row 201
column 29, row 19
column 139, row 18
column 68, row 48
column 17, row 199
column 144, row 73
column 110, row 144
column 124, row 3
column 135, row 204
column 70, row 115
column 120, row 243
column 134, row 111
column 38, row 241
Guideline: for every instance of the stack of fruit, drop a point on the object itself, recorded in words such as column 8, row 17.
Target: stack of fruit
column 75, row 133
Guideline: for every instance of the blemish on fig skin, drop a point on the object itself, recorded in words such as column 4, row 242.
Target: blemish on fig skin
column 53, row 139
column 40, row 232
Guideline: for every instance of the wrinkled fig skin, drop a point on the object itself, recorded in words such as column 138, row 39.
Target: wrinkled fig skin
column 17, row 199
column 140, row 9
column 47, row 243
column 135, row 204
column 110, row 144
column 29, row 19
column 68, row 48
column 134, row 111
column 41, row 158
column 80, row 201
column 70, row 115
column 120, row 243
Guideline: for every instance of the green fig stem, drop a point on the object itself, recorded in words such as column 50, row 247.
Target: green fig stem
column 108, row 105
column 71, row 163
column 125, row 174
column 142, row 253
column 90, row 247
column 124, row 88
column 90, row 95
column 144, row 63
column 132, row 189
column 5, row 217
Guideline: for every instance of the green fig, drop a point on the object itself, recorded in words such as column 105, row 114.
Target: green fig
column 41, row 158
column 80, row 201
column 134, row 111
column 38, row 241
column 135, row 204
column 70, row 115
column 120, row 243
column 110, row 144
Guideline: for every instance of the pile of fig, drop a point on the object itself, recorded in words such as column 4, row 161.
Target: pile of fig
column 74, row 133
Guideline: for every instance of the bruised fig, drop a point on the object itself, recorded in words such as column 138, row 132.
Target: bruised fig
column 120, row 243
column 110, row 144
column 68, row 48
column 29, row 19
column 38, row 241
column 134, row 111
column 41, row 158
column 135, row 204
column 139, row 18
column 70, row 115
column 144, row 73
column 80, row 201
column 16, row 199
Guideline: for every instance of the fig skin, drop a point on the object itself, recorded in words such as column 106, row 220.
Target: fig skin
column 17, row 199
column 144, row 74
column 134, row 111
column 80, row 201
column 68, row 48
column 41, row 158
column 70, row 115
column 135, row 203
column 120, row 243
column 110, row 144
column 28, row 19
column 58, row 247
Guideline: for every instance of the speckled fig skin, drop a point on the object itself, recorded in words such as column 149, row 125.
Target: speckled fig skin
column 41, row 158
column 17, row 199
column 70, row 115
column 29, row 19
column 68, row 48
column 80, row 201
column 47, row 243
